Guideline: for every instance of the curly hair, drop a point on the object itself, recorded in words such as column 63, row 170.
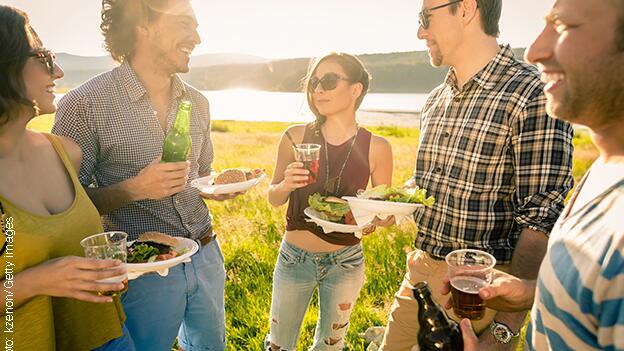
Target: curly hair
column 354, row 69
column 119, row 21
column 18, row 42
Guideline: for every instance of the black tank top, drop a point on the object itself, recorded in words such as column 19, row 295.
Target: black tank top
column 355, row 176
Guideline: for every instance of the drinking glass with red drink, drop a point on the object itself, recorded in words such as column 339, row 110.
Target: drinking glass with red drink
column 469, row 271
column 309, row 154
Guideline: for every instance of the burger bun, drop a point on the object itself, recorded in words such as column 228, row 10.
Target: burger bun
column 158, row 238
column 229, row 176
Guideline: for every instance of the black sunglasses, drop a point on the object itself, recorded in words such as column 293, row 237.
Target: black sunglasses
column 46, row 57
column 423, row 16
column 328, row 82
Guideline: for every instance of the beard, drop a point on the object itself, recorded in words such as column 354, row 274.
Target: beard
column 435, row 57
column 169, row 60
column 595, row 97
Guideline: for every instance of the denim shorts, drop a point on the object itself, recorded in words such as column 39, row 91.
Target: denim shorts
column 338, row 275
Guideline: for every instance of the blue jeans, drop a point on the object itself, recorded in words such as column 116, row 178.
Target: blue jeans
column 122, row 343
column 188, row 302
column 339, row 276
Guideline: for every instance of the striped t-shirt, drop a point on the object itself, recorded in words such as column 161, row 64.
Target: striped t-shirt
column 579, row 302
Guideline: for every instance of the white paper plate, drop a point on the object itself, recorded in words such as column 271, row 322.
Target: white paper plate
column 135, row 270
column 205, row 185
column 329, row 226
column 381, row 207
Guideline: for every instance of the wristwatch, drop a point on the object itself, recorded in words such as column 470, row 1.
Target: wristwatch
column 502, row 333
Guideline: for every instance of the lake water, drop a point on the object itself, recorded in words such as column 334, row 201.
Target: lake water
column 255, row 105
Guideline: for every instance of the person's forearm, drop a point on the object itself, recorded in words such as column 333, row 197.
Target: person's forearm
column 278, row 195
column 529, row 253
column 108, row 199
column 22, row 289
column 525, row 263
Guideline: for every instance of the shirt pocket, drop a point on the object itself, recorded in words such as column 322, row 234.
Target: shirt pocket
column 479, row 152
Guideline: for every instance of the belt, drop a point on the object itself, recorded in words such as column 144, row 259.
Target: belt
column 207, row 238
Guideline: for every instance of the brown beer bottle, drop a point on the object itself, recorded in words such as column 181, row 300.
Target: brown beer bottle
column 437, row 331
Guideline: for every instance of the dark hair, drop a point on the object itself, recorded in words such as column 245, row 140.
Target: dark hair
column 354, row 69
column 18, row 42
column 490, row 11
column 119, row 21
column 619, row 30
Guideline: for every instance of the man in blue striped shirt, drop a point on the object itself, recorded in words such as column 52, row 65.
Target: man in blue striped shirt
column 578, row 298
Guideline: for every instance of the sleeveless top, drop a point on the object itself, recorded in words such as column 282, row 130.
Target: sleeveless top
column 355, row 176
column 52, row 323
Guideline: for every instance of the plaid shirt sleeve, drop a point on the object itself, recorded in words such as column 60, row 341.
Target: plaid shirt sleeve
column 542, row 152
column 71, row 121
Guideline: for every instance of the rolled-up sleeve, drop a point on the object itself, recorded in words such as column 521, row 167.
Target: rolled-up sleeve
column 542, row 150
column 71, row 121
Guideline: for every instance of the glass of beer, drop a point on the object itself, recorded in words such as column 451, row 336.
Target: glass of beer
column 309, row 154
column 108, row 246
column 469, row 271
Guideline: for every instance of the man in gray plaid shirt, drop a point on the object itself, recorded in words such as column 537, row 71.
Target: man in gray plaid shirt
column 120, row 119
column 497, row 164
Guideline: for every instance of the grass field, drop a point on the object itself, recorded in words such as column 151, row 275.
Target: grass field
column 250, row 232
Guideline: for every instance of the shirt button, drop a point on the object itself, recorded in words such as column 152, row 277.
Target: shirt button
column 457, row 99
column 438, row 169
column 177, row 201
column 447, row 134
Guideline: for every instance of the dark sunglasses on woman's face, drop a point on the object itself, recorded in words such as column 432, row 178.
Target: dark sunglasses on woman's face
column 328, row 82
column 46, row 57
column 423, row 16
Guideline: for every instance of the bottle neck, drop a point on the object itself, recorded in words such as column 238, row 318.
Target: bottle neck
column 183, row 120
column 428, row 310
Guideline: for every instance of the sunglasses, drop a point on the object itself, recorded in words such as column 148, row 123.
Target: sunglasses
column 46, row 57
column 423, row 16
column 328, row 82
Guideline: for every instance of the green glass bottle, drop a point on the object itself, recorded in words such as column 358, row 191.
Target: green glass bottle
column 177, row 146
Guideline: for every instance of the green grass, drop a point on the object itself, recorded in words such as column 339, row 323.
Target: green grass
column 250, row 232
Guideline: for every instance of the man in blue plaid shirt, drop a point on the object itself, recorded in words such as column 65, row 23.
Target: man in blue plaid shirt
column 497, row 164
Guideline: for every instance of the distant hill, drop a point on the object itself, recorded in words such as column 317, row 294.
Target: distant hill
column 399, row 72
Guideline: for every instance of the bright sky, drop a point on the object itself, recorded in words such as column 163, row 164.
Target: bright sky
column 279, row 28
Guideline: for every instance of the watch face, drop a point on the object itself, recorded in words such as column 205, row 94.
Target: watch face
column 501, row 334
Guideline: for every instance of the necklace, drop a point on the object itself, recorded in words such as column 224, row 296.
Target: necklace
column 333, row 186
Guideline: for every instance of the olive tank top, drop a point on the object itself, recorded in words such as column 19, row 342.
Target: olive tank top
column 51, row 323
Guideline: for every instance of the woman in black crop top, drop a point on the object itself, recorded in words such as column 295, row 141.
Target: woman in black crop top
column 309, row 258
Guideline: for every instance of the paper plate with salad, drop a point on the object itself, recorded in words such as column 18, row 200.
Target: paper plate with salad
column 157, row 252
column 383, row 201
column 332, row 214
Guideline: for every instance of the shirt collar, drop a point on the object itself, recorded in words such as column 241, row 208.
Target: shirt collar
column 491, row 74
column 135, row 88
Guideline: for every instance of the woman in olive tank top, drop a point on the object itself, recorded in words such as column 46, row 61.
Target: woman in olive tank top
column 350, row 156
column 49, row 291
